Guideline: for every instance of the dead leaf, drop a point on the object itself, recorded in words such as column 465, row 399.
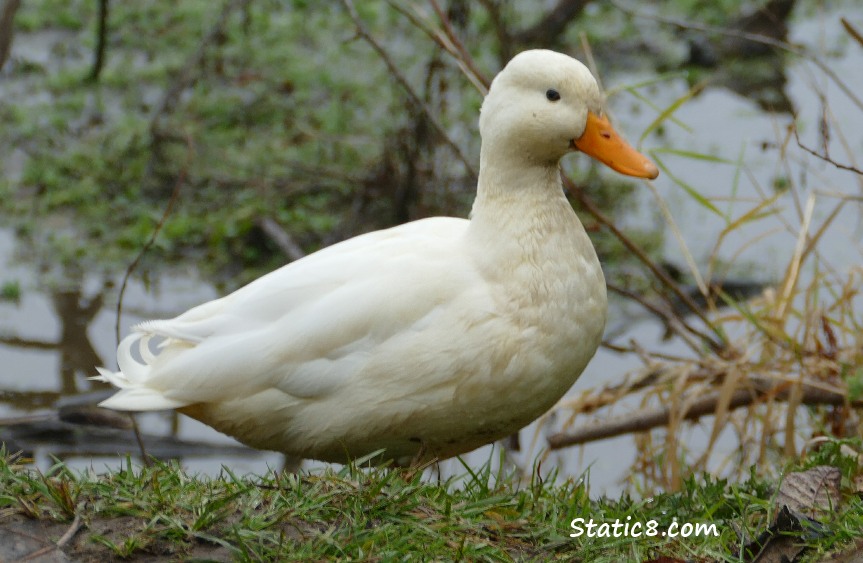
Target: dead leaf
column 778, row 543
column 811, row 492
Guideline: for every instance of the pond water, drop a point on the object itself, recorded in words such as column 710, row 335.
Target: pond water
column 50, row 341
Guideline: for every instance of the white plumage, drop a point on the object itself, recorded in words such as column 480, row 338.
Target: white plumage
column 428, row 339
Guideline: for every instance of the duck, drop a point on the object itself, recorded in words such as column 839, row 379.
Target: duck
column 418, row 342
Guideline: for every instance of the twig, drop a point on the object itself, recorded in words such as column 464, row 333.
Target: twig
column 551, row 27
column 504, row 38
column 463, row 56
column 826, row 156
column 175, row 195
column 852, row 31
column 7, row 28
column 283, row 240
column 18, row 342
column 77, row 524
column 667, row 317
column 417, row 18
column 365, row 34
column 28, row 419
column 648, row 419
column 101, row 41
column 70, row 533
column 187, row 75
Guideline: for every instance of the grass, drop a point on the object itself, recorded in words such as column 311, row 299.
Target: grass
column 387, row 514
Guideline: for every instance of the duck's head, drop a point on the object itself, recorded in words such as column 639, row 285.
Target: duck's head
column 543, row 105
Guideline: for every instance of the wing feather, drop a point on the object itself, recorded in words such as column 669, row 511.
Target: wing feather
column 306, row 328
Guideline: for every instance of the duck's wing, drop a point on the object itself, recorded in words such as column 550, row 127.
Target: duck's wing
column 304, row 329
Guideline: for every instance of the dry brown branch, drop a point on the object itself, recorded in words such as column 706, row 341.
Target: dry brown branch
column 826, row 156
column 551, row 27
column 666, row 316
column 504, row 39
column 364, row 33
column 281, row 238
column 187, row 75
column 852, row 31
column 7, row 28
column 175, row 195
column 648, row 419
column 463, row 56
column 101, row 41
column 77, row 524
column 418, row 19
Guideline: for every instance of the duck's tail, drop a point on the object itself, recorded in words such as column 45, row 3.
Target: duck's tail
column 134, row 377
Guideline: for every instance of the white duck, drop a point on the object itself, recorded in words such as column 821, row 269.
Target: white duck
column 428, row 339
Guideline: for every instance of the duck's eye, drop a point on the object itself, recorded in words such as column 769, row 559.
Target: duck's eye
column 552, row 95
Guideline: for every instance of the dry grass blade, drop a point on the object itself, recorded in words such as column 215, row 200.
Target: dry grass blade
column 692, row 192
column 792, row 273
column 691, row 154
column 668, row 112
column 684, row 249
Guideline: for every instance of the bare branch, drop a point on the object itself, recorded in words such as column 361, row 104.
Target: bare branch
column 281, row 238
column 551, row 27
column 852, row 31
column 101, row 41
column 188, row 74
column 648, row 419
column 825, row 157
column 7, row 29
column 504, row 39
column 77, row 524
column 365, row 34
column 175, row 195
column 463, row 56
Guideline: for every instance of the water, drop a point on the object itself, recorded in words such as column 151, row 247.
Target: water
column 51, row 340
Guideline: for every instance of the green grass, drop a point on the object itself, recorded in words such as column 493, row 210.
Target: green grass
column 389, row 514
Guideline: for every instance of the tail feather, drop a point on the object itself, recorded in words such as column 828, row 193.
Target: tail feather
column 134, row 371
column 132, row 379
column 140, row 399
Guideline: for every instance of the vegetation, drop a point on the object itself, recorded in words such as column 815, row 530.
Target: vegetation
column 383, row 514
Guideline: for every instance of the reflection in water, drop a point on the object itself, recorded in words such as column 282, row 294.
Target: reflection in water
column 748, row 61
column 77, row 356
column 62, row 420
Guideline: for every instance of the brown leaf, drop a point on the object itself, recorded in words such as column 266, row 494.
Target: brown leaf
column 777, row 544
column 811, row 492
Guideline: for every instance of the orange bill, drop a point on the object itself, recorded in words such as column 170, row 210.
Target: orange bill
column 603, row 143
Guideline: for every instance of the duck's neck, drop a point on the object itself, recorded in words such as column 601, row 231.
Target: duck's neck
column 529, row 245
column 521, row 202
